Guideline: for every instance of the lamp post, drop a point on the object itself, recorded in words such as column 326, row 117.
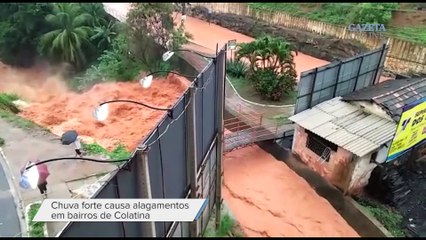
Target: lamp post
column 191, row 136
column 101, row 113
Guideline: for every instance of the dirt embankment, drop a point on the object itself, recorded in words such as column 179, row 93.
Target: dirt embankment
column 127, row 123
column 323, row 47
column 54, row 106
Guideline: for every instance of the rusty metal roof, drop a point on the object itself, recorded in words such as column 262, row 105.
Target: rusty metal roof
column 391, row 95
column 347, row 126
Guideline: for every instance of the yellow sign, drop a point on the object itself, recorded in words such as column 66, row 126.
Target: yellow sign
column 411, row 129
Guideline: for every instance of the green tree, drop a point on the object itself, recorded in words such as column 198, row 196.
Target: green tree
column 105, row 26
column 152, row 24
column 104, row 34
column 70, row 35
column 379, row 13
column 271, row 66
column 21, row 25
column 115, row 64
column 97, row 11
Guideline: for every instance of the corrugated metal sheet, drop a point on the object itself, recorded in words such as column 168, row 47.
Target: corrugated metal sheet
column 392, row 96
column 347, row 126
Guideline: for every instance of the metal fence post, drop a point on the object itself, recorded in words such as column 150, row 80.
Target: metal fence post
column 192, row 153
column 145, row 185
column 379, row 68
column 220, row 75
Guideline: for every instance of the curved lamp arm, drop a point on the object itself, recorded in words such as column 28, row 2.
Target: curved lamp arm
column 167, row 55
column 146, row 81
column 102, row 111
column 165, row 71
column 135, row 102
column 30, row 176
column 77, row 158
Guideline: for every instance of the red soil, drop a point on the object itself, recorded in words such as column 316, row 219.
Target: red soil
column 127, row 123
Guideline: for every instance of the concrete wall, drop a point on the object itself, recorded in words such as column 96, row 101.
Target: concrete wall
column 403, row 56
column 363, row 168
column 337, row 170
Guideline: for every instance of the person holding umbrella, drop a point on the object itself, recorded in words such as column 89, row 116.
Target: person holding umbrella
column 35, row 176
column 71, row 137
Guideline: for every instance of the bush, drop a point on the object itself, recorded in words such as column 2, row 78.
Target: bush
column 6, row 102
column 115, row 64
column 36, row 228
column 270, row 85
column 380, row 13
column 390, row 218
column 236, row 68
column 2, row 142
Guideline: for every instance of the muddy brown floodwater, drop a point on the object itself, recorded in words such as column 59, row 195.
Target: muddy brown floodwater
column 270, row 200
column 58, row 109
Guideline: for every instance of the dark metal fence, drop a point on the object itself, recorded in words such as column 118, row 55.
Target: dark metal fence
column 339, row 78
column 168, row 163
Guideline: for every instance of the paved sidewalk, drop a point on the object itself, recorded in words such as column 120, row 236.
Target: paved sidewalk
column 24, row 145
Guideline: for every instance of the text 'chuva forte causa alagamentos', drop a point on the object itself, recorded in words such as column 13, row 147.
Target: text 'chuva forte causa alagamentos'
column 120, row 210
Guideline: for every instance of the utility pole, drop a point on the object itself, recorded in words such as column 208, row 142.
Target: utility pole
column 220, row 73
column 192, row 153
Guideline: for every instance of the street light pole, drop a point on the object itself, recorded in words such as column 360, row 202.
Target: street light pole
column 220, row 73
column 192, row 153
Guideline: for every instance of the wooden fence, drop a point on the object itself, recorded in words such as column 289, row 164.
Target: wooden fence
column 403, row 56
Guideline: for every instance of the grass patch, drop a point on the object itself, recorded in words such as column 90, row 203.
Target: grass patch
column 8, row 111
column 279, row 119
column 36, row 228
column 6, row 102
column 387, row 216
column 228, row 227
column 334, row 13
column 246, row 90
column 414, row 34
column 2, row 142
column 118, row 153
column 19, row 121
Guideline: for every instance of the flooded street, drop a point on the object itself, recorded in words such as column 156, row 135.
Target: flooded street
column 270, row 200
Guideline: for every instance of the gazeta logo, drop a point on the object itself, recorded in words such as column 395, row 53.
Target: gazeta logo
column 370, row 28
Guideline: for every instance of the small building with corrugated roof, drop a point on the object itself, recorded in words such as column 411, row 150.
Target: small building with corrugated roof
column 346, row 137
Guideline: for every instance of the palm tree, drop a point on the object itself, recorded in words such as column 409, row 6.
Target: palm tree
column 70, row 35
column 105, row 34
column 268, row 52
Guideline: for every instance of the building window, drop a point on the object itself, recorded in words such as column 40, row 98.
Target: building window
column 318, row 145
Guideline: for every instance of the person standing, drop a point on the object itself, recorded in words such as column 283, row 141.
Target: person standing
column 77, row 147
column 42, row 186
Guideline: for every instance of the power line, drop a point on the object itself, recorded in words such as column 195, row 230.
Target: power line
column 183, row 111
